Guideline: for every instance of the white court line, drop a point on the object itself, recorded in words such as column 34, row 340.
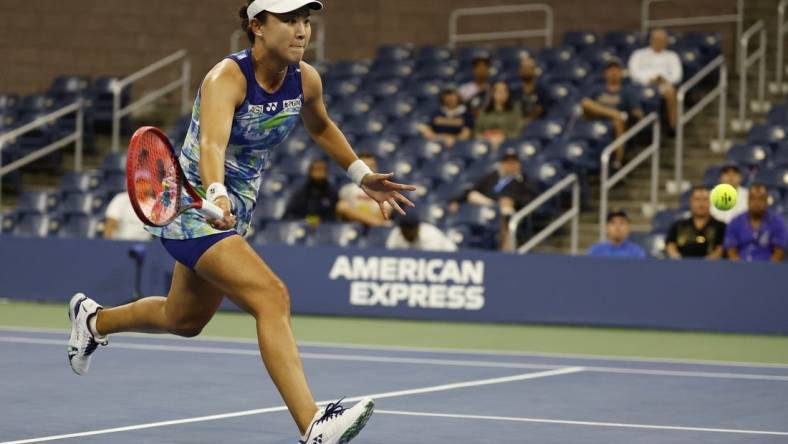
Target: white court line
column 417, row 391
column 415, row 349
column 398, row 360
column 581, row 423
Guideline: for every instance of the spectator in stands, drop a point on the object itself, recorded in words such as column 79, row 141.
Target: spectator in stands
column 530, row 98
column 613, row 101
column 475, row 93
column 731, row 174
column 501, row 118
column 758, row 235
column 617, row 243
column 316, row 200
column 355, row 205
column 412, row 233
column 452, row 122
column 506, row 187
column 700, row 235
column 659, row 66
column 121, row 221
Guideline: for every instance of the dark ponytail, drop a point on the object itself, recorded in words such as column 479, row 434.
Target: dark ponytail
column 245, row 21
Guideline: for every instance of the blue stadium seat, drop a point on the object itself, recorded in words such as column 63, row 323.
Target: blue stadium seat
column 427, row 53
column 36, row 104
column 574, row 155
column 471, row 151
column 439, row 71
column 73, row 182
column 275, row 184
column 341, row 87
column 511, row 55
column 379, row 146
column 447, row 171
column 468, row 54
column 781, row 157
column 580, row 40
column 662, row 221
column 296, row 167
column 711, row 177
column 526, row 148
column 421, row 149
column 381, row 89
column 81, row 226
column 405, row 127
column 708, row 43
column 377, row 236
column 767, row 134
column 558, row 92
column 622, row 40
column 472, row 215
column 649, row 97
column 396, row 106
column 447, row 191
column 389, row 69
column 35, row 225
column 365, row 125
column 340, row 234
column 597, row 57
column 476, row 170
column 460, row 235
column 355, row 105
column 652, row 243
column 778, row 115
column 112, row 185
column 543, row 130
column 69, row 87
column 424, row 91
column 83, row 203
column 345, row 69
column 691, row 61
column 113, row 163
column 749, row 155
column 598, row 133
column 434, row 212
column 545, row 172
column 287, row 233
column 295, row 145
column 394, row 52
column 573, row 72
column 402, row 166
column 269, row 209
column 774, row 178
column 37, row 202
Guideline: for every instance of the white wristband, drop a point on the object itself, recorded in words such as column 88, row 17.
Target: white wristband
column 357, row 170
column 215, row 191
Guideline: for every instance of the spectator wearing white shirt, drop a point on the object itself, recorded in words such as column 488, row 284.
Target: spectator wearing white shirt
column 657, row 65
column 122, row 222
column 731, row 175
column 412, row 234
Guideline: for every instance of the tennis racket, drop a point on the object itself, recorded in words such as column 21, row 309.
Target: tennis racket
column 156, row 182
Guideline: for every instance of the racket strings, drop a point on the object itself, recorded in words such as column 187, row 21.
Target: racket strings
column 156, row 179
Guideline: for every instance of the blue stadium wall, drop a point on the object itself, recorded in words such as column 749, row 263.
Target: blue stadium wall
column 467, row 286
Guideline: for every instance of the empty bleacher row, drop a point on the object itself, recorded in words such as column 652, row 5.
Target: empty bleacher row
column 380, row 103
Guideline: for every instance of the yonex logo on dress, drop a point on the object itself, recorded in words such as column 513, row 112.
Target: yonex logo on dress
column 271, row 107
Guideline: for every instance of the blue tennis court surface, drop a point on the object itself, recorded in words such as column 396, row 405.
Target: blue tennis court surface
column 161, row 389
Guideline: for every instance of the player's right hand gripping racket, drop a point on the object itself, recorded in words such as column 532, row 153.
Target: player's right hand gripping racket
column 156, row 181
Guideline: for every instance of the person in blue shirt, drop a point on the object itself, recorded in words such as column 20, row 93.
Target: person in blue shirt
column 617, row 243
column 758, row 235
column 614, row 101
column 452, row 122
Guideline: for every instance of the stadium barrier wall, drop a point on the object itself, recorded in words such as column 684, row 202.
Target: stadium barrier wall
column 472, row 286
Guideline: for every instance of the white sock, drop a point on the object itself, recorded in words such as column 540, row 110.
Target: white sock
column 92, row 327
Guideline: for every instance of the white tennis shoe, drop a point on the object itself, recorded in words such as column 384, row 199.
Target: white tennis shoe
column 336, row 425
column 82, row 343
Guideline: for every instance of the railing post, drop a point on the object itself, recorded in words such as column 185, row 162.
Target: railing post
column 723, row 108
column 604, row 172
column 678, row 175
column 116, row 90
column 655, row 164
column 186, row 70
column 576, row 218
column 80, row 136
column 762, row 105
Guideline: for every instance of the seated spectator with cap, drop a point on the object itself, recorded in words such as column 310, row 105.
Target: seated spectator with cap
column 659, row 66
column 450, row 123
column 475, row 93
column 617, row 243
column 758, row 235
column 316, row 200
column 354, row 204
column 699, row 236
column 413, row 234
column 501, row 119
column 613, row 101
column 731, row 174
column 530, row 95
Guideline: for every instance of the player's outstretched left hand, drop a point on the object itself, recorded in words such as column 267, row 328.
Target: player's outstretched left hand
column 380, row 188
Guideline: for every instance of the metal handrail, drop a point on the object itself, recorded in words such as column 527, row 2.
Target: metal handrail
column 745, row 61
column 606, row 183
column 647, row 23
column 782, row 28
column 317, row 44
column 184, row 82
column 75, row 138
column 546, row 32
column 684, row 117
column 573, row 213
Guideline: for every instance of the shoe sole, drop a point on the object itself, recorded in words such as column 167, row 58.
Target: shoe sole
column 361, row 421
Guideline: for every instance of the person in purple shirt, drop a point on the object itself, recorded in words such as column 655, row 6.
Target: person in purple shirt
column 617, row 243
column 758, row 235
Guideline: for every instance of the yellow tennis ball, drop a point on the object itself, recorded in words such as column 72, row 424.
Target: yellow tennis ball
column 723, row 196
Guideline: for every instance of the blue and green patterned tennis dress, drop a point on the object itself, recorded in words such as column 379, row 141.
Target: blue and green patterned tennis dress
column 260, row 123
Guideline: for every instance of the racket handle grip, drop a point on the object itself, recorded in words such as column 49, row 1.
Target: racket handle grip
column 211, row 210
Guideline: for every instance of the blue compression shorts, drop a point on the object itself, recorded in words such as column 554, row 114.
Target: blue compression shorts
column 189, row 251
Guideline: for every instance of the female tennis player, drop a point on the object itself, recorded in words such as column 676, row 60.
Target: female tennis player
column 247, row 105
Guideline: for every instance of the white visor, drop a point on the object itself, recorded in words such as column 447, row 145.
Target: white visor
column 280, row 6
